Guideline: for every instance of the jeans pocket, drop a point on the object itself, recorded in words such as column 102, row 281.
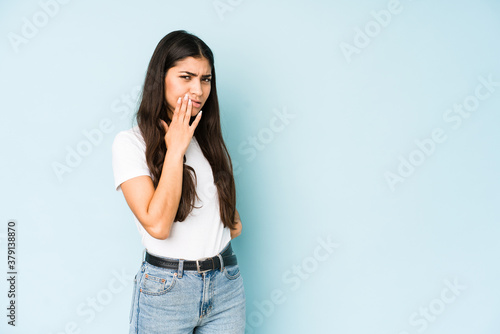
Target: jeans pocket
column 232, row 271
column 158, row 283
column 134, row 291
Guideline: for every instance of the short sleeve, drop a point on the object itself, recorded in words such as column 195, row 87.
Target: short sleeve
column 128, row 157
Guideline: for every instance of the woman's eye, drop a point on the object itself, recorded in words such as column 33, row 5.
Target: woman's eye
column 187, row 77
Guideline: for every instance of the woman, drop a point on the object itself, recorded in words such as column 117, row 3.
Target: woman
column 176, row 175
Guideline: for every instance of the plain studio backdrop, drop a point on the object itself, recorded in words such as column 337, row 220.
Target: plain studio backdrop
column 364, row 137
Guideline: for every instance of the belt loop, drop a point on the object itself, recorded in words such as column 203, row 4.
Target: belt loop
column 221, row 262
column 180, row 269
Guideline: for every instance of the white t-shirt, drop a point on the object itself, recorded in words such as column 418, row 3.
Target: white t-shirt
column 202, row 233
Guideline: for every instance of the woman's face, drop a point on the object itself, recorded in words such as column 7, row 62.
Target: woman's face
column 191, row 76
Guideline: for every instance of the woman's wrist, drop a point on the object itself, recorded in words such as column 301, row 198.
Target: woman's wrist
column 174, row 155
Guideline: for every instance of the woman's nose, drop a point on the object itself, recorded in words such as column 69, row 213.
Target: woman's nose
column 196, row 88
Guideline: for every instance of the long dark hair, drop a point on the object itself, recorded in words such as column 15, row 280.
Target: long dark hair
column 176, row 46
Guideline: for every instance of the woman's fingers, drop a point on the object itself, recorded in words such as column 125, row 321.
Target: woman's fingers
column 183, row 111
column 165, row 126
column 196, row 121
column 177, row 107
column 183, row 108
column 189, row 108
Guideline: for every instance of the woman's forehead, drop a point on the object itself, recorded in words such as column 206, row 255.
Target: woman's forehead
column 193, row 64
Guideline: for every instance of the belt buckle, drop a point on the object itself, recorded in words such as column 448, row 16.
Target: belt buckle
column 198, row 264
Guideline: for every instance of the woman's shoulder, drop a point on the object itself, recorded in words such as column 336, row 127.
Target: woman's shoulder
column 130, row 136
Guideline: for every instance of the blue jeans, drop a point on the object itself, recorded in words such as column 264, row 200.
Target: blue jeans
column 184, row 301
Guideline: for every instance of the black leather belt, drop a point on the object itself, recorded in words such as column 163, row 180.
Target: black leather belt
column 200, row 265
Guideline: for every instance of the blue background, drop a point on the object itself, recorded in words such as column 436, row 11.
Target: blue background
column 317, row 176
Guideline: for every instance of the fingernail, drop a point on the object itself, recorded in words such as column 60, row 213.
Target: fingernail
column 185, row 97
column 190, row 101
column 179, row 100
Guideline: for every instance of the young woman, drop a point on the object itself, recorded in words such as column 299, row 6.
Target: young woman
column 176, row 175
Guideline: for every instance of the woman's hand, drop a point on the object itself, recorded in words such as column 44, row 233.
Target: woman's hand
column 238, row 225
column 178, row 135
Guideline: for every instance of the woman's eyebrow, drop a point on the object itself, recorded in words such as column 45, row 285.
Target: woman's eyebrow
column 195, row 75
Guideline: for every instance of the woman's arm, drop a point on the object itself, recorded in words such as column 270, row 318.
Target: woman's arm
column 239, row 226
column 156, row 210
